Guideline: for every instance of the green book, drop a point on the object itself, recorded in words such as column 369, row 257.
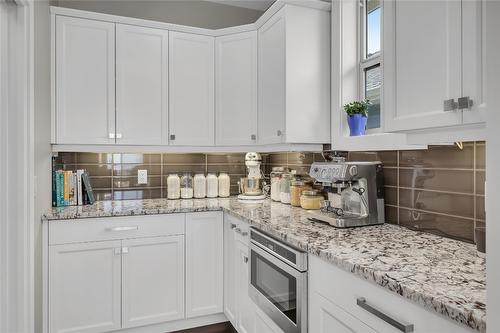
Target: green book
column 88, row 188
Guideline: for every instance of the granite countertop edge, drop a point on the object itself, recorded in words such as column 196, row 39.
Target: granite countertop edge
column 443, row 305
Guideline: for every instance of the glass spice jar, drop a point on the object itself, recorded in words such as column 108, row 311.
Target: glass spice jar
column 296, row 188
column 275, row 183
column 186, row 185
column 311, row 199
column 285, row 182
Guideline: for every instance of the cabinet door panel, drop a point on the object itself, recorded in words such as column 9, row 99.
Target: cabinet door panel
column 191, row 97
column 474, row 69
column 272, row 48
column 153, row 280
column 204, row 261
column 230, row 271
column 85, row 287
column 236, row 89
column 327, row 317
column 422, row 63
column 246, row 316
column 142, row 85
column 85, row 81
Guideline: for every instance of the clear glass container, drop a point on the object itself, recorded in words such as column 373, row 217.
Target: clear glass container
column 311, row 199
column 224, row 185
column 212, row 185
column 275, row 183
column 199, row 186
column 296, row 188
column 173, row 186
column 187, row 185
column 285, row 182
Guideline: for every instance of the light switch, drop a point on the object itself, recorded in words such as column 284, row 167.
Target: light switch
column 142, row 176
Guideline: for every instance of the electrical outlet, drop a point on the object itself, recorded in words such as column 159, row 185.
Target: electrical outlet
column 142, row 176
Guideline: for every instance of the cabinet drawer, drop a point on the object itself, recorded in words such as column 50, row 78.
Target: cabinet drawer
column 109, row 228
column 344, row 289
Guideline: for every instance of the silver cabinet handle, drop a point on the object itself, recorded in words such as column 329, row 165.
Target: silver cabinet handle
column 278, row 133
column 407, row 328
column 253, row 137
column 118, row 135
column 450, row 105
column 135, row 227
column 117, row 251
column 465, row 103
column 172, row 136
column 243, row 233
column 112, row 136
column 245, row 259
column 233, row 225
column 124, row 250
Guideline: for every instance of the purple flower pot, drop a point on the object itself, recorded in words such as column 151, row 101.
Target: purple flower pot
column 357, row 124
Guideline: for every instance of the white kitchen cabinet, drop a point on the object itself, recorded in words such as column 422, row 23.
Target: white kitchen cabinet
column 84, row 86
column 141, row 85
column 236, row 89
column 84, row 287
column 294, row 77
column 191, row 89
column 152, row 280
column 245, row 317
column 429, row 64
column 230, row 272
column 334, row 308
column 204, row 263
column 264, row 324
column 473, row 57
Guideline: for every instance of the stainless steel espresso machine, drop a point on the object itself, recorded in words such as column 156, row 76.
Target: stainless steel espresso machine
column 355, row 193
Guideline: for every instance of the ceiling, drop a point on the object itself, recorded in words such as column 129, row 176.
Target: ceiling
column 260, row 5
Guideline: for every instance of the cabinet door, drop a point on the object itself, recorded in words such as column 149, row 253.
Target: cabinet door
column 473, row 50
column 246, row 317
column 85, row 287
column 84, row 81
column 236, row 89
column 327, row 317
column 191, row 97
column 153, row 280
column 264, row 324
column 204, row 261
column 271, row 114
column 230, row 272
column 141, row 85
column 422, row 63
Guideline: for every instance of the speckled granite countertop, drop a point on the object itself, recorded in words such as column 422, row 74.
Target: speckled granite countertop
column 440, row 274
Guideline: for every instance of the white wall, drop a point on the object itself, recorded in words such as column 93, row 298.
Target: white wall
column 200, row 14
column 42, row 140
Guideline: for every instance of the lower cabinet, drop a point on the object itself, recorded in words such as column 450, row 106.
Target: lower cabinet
column 204, row 264
column 107, row 274
column 340, row 302
column 152, row 280
column 85, row 287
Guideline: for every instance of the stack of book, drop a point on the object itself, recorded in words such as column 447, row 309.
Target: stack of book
column 70, row 188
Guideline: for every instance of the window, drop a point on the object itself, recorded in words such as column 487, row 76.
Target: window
column 371, row 72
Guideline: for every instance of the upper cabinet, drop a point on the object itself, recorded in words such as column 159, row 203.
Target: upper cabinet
column 191, row 98
column 120, row 81
column 236, row 89
column 83, row 106
column 433, row 68
column 294, row 77
column 141, row 85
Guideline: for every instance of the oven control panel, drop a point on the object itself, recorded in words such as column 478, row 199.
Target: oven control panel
column 331, row 172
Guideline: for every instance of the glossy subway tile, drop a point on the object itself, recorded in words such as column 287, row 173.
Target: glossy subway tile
column 449, row 157
column 438, row 179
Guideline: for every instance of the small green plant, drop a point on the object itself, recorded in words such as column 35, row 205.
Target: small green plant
column 357, row 107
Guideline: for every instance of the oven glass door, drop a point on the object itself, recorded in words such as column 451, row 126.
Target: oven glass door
column 277, row 285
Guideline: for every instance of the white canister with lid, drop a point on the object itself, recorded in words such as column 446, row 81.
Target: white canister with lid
column 224, row 185
column 173, row 186
column 199, row 185
column 212, row 185
column 186, row 186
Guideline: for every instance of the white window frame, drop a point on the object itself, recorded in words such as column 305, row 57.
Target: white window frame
column 368, row 62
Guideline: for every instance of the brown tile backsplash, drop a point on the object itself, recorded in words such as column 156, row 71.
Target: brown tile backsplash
column 438, row 190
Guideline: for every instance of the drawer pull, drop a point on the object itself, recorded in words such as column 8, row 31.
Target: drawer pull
column 408, row 328
column 243, row 233
column 135, row 227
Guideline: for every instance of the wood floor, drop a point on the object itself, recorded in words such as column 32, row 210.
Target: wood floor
column 216, row 328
